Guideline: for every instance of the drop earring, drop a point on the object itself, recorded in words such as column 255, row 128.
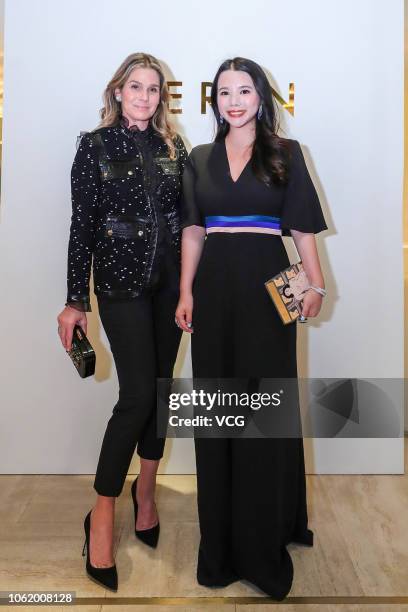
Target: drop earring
column 221, row 119
column 118, row 98
column 260, row 112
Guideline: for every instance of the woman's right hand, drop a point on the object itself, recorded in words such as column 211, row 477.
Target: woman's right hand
column 184, row 312
column 67, row 319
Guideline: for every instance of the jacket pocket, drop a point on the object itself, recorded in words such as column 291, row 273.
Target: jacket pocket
column 127, row 226
column 168, row 166
column 120, row 169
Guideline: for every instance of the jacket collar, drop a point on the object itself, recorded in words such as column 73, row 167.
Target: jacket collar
column 124, row 122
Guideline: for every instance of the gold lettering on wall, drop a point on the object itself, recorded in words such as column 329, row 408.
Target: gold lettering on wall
column 174, row 96
column 206, row 98
column 289, row 106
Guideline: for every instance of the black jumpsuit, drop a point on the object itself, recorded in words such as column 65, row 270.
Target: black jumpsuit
column 251, row 492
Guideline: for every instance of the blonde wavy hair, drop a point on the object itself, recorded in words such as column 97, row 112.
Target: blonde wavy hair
column 111, row 111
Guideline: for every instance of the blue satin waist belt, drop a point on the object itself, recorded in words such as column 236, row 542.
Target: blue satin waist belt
column 243, row 223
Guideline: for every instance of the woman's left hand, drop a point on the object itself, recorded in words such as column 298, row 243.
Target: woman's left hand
column 312, row 302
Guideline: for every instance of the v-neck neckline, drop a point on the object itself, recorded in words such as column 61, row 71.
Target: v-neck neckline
column 224, row 144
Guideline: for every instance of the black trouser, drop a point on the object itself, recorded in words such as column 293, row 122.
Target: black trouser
column 144, row 340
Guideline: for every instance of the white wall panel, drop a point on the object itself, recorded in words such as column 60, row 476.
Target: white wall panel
column 345, row 59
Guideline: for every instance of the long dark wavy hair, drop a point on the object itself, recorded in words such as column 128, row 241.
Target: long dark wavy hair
column 270, row 154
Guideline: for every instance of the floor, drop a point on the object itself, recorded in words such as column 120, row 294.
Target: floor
column 359, row 560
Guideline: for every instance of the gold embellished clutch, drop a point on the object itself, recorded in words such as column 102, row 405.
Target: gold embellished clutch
column 287, row 290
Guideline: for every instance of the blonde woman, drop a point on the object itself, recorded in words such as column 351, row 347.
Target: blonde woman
column 125, row 216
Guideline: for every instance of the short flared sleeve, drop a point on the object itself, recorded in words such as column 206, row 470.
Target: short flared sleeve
column 190, row 213
column 301, row 208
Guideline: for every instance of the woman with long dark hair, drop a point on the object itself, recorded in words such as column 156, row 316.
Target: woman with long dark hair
column 126, row 181
column 240, row 194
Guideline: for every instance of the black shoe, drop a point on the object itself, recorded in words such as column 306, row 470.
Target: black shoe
column 148, row 536
column 105, row 576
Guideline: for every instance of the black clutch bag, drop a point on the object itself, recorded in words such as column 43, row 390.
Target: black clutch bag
column 82, row 353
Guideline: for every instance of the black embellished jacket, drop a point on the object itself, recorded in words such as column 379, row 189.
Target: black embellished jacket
column 124, row 188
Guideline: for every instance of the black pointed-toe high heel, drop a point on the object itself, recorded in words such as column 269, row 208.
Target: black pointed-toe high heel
column 105, row 576
column 148, row 536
